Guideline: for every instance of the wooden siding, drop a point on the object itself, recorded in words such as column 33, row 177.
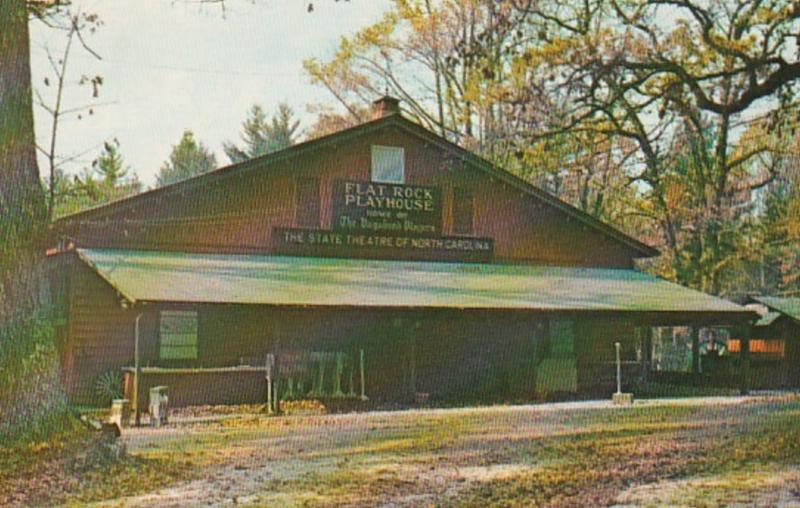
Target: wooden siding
column 238, row 213
column 454, row 358
column 100, row 333
column 596, row 353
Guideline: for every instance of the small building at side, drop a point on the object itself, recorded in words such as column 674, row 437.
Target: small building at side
column 380, row 258
column 774, row 343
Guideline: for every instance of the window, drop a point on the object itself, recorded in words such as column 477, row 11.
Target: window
column 775, row 347
column 178, row 332
column 388, row 164
column 462, row 211
column 307, row 203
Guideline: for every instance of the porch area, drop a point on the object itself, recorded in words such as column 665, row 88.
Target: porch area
column 219, row 328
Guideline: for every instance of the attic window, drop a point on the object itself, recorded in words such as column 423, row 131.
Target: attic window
column 388, row 164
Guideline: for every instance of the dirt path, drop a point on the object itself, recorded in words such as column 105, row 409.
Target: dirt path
column 774, row 487
column 413, row 458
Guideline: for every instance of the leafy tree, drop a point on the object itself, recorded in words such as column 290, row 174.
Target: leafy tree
column 778, row 241
column 456, row 65
column 631, row 118
column 680, row 91
column 188, row 158
column 261, row 136
column 446, row 60
column 329, row 121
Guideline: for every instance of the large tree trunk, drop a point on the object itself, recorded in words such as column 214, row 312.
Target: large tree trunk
column 22, row 202
column 30, row 392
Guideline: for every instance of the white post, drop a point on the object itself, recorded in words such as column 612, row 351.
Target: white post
column 619, row 369
column 363, row 382
column 137, row 370
column 270, row 403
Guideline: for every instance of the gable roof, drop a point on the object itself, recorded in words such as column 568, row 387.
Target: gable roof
column 787, row 306
column 392, row 120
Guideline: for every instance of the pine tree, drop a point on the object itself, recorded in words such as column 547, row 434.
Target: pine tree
column 261, row 136
column 188, row 158
column 108, row 179
column 110, row 166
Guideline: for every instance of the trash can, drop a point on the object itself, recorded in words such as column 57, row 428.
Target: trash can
column 120, row 413
column 159, row 406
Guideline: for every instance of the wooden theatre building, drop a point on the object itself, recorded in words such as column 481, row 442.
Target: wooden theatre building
column 381, row 257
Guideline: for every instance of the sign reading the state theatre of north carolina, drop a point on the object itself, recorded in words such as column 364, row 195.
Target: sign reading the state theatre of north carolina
column 318, row 242
column 386, row 208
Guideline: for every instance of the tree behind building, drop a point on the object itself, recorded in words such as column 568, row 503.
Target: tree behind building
column 108, row 179
column 261, row 135
column 188, row 158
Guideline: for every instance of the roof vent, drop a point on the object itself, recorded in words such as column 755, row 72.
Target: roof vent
column 385, row 106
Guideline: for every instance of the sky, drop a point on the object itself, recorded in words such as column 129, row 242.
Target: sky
column 172, row 65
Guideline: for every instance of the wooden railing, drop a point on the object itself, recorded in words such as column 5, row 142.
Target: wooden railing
column 602, row 376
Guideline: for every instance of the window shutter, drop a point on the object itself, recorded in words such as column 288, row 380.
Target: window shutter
column 307, row 203
column 463, row 211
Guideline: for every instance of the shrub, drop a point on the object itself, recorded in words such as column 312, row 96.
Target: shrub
column 108, row 386
column 303, row 407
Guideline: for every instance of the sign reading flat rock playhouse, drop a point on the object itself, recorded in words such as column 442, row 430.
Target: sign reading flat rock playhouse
column 371, row 207
column 383, row 220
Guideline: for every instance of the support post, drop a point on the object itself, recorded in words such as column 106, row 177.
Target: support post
column 321, row 375
column 270, row 387
column 744, row 355
column 647, row 353
column 363, row 382
column 137, row 371
column 412, row 377
column 695, row 351
column 337, row 380
column 351, row 367
column 617, row 346
column 619, row 398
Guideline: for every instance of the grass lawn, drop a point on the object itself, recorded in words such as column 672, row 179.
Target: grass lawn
column 693, row 452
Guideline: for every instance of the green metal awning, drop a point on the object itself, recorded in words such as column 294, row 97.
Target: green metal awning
column 768, row 318
column 280, row 280
column 783, row 305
